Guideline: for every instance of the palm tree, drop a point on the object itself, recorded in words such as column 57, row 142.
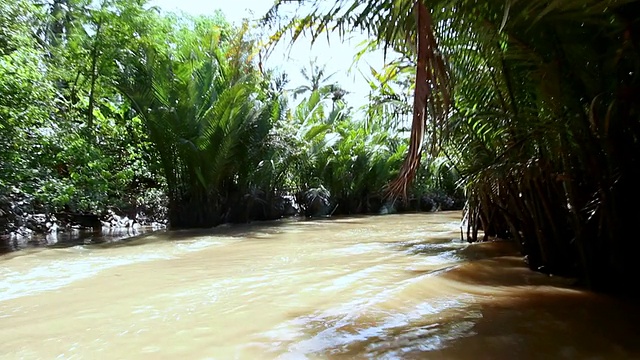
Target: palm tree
column 208, row 120
column 316, row 77
column 537, row 102
column 339, row 165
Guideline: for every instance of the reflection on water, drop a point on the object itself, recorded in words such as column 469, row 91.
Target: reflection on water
column 70, row 237
column 398, row 286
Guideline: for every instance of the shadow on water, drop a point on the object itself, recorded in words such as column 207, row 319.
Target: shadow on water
column 434, row 246
column 517, row 313
column 109, row 237
column 506, row 312
column 256, row 230
column 73, row 237
column 535, row 325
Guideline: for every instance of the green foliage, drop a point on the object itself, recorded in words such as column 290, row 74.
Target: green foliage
column 25, row 95
column 112, row 104
column 54, row 158
column 333, row 150
column 208, row 118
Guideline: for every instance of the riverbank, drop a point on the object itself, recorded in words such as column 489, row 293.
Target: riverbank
column 24, row 225
column 23, row 216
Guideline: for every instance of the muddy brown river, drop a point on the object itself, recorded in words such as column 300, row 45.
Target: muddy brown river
column 386, row 287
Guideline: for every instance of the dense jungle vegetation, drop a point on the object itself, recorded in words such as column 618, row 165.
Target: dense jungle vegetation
column 115, row 105
column 530, row 109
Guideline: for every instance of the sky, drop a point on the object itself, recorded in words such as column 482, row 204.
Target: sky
column 337, row 55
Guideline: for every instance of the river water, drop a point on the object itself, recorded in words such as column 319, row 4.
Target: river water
column 386, row 287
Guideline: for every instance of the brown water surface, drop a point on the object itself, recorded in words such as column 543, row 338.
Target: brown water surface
column 387, row 287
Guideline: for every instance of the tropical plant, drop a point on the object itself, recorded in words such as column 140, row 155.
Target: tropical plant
column 389, row 96
column 316, row 79
column 207, row 120
column 25, row 93
column 340, row 160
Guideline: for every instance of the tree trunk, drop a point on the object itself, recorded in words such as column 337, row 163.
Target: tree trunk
column 94, row 77
column 422, row 92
